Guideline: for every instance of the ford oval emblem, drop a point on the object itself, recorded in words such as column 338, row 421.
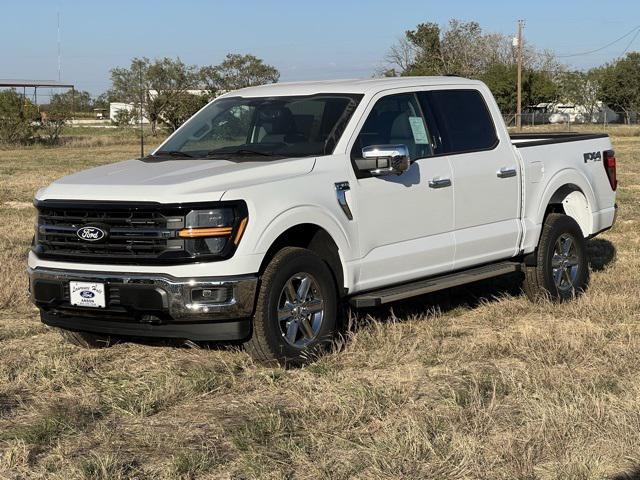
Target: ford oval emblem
column 87, row 294
column 91, row 234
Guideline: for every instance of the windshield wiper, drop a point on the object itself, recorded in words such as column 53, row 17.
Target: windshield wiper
column 171, row 153
column 241, row 151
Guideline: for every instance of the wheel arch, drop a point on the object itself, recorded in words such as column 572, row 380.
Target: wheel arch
column 315, row 238
column 570, row 193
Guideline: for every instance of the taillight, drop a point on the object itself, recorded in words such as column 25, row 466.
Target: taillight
column 609, row 161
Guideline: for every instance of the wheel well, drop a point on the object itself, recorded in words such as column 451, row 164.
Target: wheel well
column 314, row 238
column 576, row 206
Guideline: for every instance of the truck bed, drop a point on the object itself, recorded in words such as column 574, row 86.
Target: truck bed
column 523, row 140
column 553, row 161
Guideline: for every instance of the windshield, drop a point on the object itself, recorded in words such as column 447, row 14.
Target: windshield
column 276, row 126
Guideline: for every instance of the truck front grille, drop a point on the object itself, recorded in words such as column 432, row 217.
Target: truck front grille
column 132, row 234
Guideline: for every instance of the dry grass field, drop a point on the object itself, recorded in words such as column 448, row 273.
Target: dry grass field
column 472, row 383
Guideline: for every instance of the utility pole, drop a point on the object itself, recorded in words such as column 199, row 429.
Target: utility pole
column 518, row 42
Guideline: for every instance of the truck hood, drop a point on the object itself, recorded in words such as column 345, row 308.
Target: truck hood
column 171, row 181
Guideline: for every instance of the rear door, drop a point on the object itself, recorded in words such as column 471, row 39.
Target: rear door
column 485, row 175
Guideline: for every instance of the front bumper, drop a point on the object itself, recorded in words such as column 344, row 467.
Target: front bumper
column 149, row 304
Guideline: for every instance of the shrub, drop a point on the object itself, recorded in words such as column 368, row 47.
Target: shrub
column 124, row 117
column 52, row 124
column 17, row 118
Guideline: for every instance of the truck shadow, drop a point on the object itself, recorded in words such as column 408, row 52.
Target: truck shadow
column 444, row 301
column 601, row 254
column 633, row 474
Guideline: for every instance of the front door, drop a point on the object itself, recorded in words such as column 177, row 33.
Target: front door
column 405, row 222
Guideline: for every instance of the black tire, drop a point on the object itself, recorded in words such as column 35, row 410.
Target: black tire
column 86, row 339
column 539, row 282
column 268, row 343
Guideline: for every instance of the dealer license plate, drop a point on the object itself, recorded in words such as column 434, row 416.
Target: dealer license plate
column 87, row 294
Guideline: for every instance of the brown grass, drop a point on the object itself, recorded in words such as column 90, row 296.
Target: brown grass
column 476, row 383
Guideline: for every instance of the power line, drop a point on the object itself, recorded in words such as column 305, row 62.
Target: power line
column 634, row 29
column 629, row 44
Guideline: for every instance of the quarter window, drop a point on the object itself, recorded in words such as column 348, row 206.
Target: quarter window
column 463, row 120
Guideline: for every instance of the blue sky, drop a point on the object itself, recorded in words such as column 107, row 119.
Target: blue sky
column 305, row 40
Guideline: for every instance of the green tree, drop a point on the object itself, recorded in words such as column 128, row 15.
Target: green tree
column 159, row 83
column 464, row 49
column 104, row 99
column 537, row 87
column 17, row 118
column 501, row 80
column 620, row 84
column 581, row 88
column 237, row 71
column 124, row 117
column 181, row 108
column 76, row 101
column 425, row 42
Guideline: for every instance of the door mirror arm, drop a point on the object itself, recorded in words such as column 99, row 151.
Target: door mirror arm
column 380, row 160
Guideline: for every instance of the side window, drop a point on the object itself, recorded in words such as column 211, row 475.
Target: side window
column 395, row 119
column 463, row 120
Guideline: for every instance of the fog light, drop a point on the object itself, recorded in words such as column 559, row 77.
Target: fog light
column 211, row 295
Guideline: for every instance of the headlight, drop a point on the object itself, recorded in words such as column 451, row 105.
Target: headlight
column 213, row 231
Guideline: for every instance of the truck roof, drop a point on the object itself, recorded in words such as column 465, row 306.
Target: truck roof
column 362, row 86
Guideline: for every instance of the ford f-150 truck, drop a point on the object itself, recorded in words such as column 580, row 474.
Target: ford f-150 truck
column 274, row 205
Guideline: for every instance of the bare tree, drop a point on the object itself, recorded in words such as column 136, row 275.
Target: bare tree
column 462, row 48
column 401, row 56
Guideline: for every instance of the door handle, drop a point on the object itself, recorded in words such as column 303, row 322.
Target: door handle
column 506, row 172
column 439, row 182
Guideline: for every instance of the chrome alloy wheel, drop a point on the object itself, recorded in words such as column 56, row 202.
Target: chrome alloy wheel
column 565, row 263
column 300, row 310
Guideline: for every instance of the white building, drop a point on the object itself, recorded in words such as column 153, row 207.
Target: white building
column 563, row 113
column 115, row 107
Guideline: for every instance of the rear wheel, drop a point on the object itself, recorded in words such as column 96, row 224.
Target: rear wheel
column 561, row 271
column 86, row 339
column 296, row 309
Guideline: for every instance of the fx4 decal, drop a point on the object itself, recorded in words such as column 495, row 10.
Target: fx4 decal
column 593, row 156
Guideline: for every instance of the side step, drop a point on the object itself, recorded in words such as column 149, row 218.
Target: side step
column 420, row 287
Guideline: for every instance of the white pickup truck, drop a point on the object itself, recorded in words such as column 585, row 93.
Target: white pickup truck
column 273, row 205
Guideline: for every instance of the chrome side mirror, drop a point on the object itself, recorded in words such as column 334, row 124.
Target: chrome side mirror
column 381, row 160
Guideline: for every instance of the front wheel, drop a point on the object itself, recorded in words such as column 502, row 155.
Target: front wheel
column 296, row 309
column 562, row 270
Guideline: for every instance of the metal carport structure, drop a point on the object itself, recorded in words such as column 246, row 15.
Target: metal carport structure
column 35, row 84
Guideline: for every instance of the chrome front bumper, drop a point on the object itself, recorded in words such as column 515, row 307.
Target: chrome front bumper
column 146, row 294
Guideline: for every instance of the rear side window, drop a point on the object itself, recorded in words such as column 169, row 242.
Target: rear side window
column 463, row 120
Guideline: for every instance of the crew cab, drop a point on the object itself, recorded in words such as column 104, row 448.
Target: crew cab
column 274, row 205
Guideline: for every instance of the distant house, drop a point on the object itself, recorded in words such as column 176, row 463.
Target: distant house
column 580, row 114
column 154, row 93
column 568, row 113
column 115, row 107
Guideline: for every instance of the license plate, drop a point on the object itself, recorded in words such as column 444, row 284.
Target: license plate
column 87, row 294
